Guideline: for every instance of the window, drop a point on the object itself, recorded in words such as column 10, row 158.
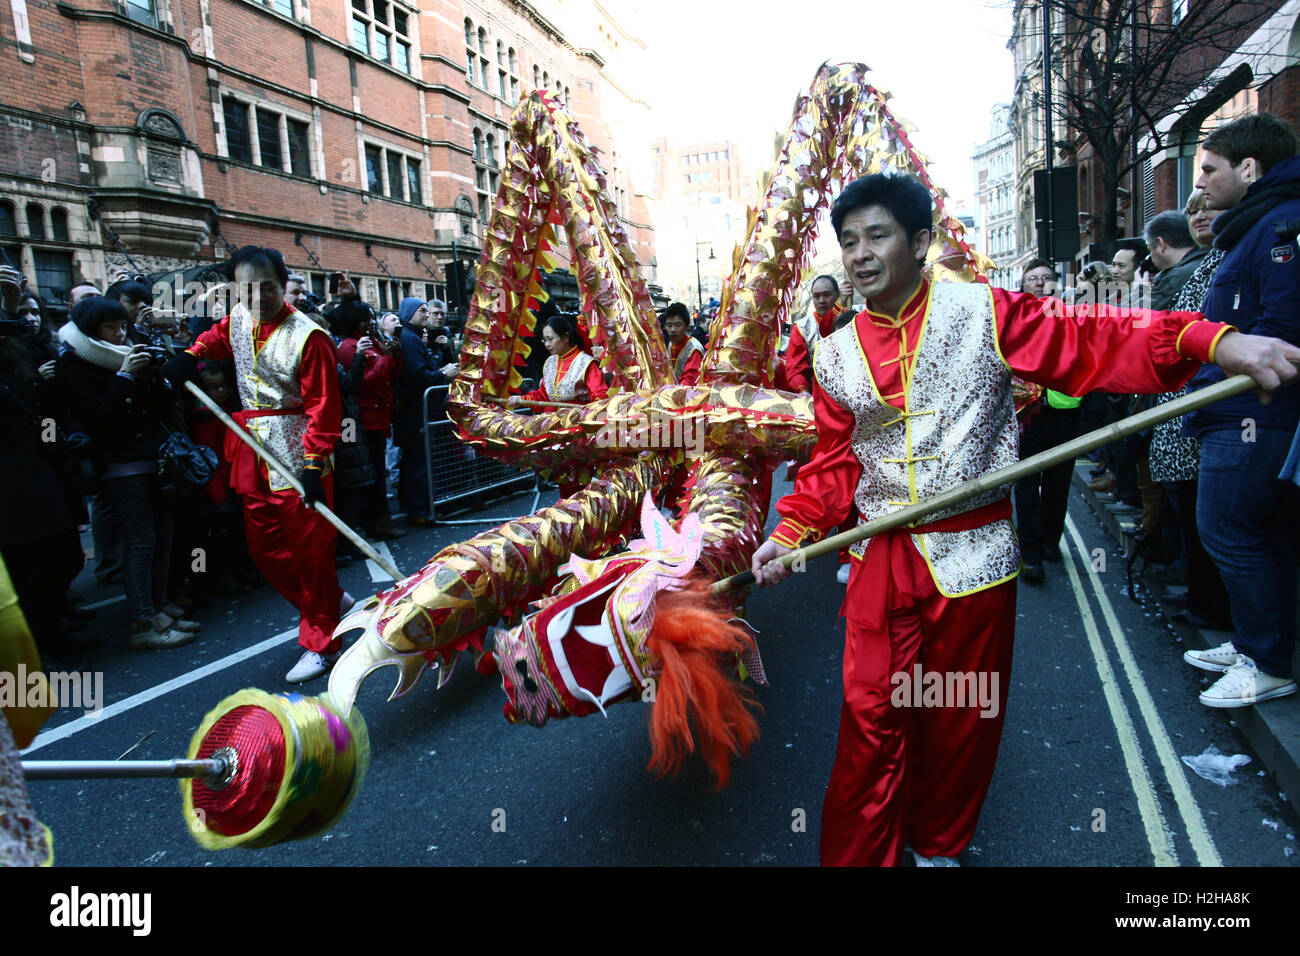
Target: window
column 482, row 58
column 281, row 6
column 59, row 224
column 478, row 146
column 491, row 151
column 501, row 54
column 299, row 151
column 1177, row 11
column 53, row 274
column 142, row 11
column 413, row 180
column 7, row 225
column 537, row 76
column 381, row 30
column 35, row 221
column 239, row 143
column 374, row 169
column 514, row 62
column 268, row 135
column 393, row 174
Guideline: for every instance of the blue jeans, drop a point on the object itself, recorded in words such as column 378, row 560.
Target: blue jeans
column 1250, row 524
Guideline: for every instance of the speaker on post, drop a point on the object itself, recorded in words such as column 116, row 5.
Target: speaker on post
column 1058, row 241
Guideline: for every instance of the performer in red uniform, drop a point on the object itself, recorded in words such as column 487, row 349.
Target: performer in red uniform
column 808, row 331
column 569, row 375
column 912, row 398
column 685, row 352
column 286, row 370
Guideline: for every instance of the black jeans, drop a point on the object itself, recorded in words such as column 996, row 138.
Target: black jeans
column 146, row 555
column 376, row 506
column 1042, row 499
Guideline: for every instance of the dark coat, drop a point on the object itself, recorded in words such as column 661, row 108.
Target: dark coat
column 36, row 502
column 124, row 417
column 1257, row 289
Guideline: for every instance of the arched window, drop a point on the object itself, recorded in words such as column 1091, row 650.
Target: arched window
column 470, row 58
column 482, row 42
column 501, row 53
column 546, row 79
column 492, row 151
column 566, row 96
column 514, row 62
column 59, row 224
column 35, row 221
column 537, row 76
column 8, row 226
column 469, row 32
column 478, row 146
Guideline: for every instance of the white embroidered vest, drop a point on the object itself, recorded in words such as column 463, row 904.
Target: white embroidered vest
column 689, row 349
column 268, row 379
column 958, row 423
column 566, row 389
column 811, row 332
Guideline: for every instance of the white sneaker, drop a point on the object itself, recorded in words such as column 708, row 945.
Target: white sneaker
column 1244, row 684
column 1217, row 659
column 310, row 666
column 842, row 575
column 933, row 860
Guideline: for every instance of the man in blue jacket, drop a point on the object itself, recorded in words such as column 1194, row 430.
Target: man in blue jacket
column 419, row 372
column 1249, row 519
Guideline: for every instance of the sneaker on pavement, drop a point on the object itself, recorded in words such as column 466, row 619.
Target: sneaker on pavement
column 1244, row 684
column 1033, row 573
column 310, row 666
column 842, row 575
column 1217, row 659
column 933, row 860
column 144, row 636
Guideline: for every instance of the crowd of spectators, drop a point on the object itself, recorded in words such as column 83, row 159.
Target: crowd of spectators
column 85, row 411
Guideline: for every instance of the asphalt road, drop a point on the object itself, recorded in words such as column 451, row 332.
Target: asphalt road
column 1101, row 709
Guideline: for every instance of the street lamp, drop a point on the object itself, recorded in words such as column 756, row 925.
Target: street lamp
column 699, row 285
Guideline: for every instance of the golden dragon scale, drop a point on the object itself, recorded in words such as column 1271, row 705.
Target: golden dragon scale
column 553, row 185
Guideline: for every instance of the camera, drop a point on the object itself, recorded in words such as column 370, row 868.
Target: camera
column 157, row 355
column 14, row 327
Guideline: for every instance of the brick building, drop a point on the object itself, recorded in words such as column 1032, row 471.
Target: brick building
column 364, row 136
column 994, row 233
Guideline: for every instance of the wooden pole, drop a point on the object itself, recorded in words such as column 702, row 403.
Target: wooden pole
column 273, row 462
column 1237, row 385
column 531, row 404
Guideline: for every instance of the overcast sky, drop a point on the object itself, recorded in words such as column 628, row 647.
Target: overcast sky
column 732, row 70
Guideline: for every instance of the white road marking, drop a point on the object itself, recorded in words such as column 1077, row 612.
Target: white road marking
column 64, row 731
column 378, row 574
column 1158, row 834
column 1197, row 832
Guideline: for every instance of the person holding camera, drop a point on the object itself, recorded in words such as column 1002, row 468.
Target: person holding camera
column 116, row 394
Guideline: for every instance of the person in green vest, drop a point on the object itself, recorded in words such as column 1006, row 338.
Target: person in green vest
column 1041, row 499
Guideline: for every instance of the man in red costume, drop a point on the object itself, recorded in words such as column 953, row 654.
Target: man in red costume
column 684, row 352
column 808, row 331
column 288, row 385
column 911, row 398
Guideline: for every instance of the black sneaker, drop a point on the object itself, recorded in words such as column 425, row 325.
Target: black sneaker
column 1033, row 573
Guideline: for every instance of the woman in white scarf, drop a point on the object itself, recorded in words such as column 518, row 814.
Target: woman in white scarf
column 119, row 398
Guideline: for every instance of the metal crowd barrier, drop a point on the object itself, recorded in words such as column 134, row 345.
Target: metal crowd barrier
column 457, row 471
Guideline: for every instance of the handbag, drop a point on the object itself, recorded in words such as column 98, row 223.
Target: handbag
column 182, row 460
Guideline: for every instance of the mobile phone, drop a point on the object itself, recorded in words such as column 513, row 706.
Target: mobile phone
column 335, row 279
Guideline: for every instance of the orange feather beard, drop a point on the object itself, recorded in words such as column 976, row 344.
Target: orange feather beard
column 697, row 645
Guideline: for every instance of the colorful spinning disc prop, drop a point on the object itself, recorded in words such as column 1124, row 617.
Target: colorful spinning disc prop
column 293, row 765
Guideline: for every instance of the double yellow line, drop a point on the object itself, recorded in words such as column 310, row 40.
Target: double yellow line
column 1159, row 836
